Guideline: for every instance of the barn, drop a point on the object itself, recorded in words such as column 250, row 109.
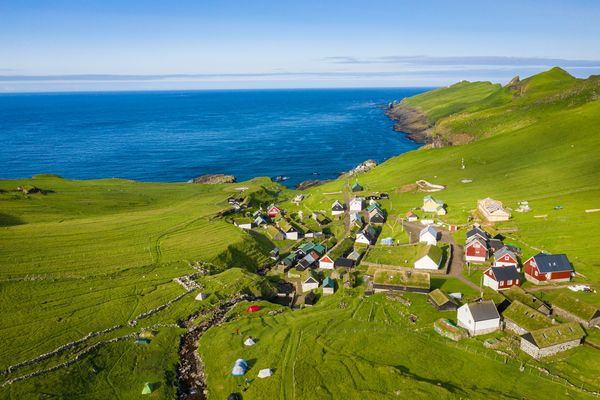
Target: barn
column 548, row 268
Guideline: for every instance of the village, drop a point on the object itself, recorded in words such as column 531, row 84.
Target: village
column 351, row 243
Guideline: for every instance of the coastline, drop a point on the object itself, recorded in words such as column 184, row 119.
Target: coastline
column 411, row 122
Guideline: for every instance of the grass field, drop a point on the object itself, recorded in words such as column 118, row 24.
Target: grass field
column 89, row 255
column 349, row 347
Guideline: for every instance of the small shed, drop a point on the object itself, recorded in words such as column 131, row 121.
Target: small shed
column 201, row 296
column 356, row 187
column 441, row 301
column 328, row 286
column 310, row 299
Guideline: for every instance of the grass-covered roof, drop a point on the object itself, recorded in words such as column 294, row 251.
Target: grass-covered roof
column 575, row 306
column 526, row 317
column 557, row 334
column 414, row 279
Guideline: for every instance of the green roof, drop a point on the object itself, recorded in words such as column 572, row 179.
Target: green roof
column 319, row 248
column 526, row 317
column 306, row 247
column 243, row 220
column 373, row 207
column 434, row 252
column 356, row 185
column 439, row 298
column 557, row 334
column 576, row 307
column 414, row 279
column 517, row 293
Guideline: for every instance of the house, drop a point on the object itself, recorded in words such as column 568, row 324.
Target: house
column 388, row 241
column 573, row 309
column 367, row 236
column 289, row 260
column 476, row 250
column 310, row 299
column 260, row 220
column 354, row 256
column 501, row 278
column 432, row 205
column 428, row 235
column 307, row 261
column 290, row 231
column 273, row 211
column 411, row 216
column 548, row 268
column 275, row 233
column 495, row 244
column 356, row 219
column 243, row 223
column 319, row 249
column 356, row 204
column 492, row 210
column 376, row 214
column 328, row 286
column 478, row 318
column 505, row 258
column 552, row 340
column 326, row 262
column 477, row 232
column 441, row 301
column 342, row 262
column 305, row 248
column 337, row 208
column 396, row 280
column 356, row 187
column 429, row 257
column 517, row 293
column 274, row 254
column 309, row 283
column 521, row 319
column 298, row 198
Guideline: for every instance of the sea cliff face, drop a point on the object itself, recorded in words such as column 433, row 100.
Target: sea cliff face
column 412, row 122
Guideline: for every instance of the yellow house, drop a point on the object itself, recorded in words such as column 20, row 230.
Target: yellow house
column 492, row 210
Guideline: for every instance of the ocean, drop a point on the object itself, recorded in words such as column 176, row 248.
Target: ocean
column 176, row 136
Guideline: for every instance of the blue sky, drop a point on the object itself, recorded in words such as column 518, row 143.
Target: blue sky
column 133, row 45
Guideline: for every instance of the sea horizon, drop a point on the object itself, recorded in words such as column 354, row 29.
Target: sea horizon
column 177, row 135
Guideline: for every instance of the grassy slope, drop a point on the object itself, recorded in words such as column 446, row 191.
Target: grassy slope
column 93, row 254
column 365, row 349
column 551, row 161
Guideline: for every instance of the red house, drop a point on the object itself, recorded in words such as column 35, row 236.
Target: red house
column 548, row 268
column 505, row 258
column 501, row 278
column 273, row 211
column 476, row 250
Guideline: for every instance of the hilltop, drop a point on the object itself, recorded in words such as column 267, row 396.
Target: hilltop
column 121, row 259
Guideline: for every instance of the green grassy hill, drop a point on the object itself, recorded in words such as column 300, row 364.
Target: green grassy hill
column 84, row 256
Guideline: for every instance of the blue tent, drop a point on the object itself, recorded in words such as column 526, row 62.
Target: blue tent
column 239, row 368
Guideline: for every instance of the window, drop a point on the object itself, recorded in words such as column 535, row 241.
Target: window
column 509, row 282
column 501, row 283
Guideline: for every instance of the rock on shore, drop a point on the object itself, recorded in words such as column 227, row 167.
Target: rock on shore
column 214, row 179
column 310, row 183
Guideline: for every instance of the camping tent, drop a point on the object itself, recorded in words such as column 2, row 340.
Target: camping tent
column 201, row 296
column 147, row 388
column 239, row 368
column 265, row 373
column 249, row 342
column 253, row 309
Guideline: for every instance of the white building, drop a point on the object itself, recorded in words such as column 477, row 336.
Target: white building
column 356, row 204
column 430, row 257
column 310, row 283
column 479, row 318
column 326, row 262
column 337, row 208
column 428, row 235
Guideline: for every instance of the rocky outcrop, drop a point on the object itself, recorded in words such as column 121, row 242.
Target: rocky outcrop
column 214, row 179
column 310, row 183
column 412, row 122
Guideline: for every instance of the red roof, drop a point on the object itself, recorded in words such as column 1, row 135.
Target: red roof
column 326, row 259
column 253, row 309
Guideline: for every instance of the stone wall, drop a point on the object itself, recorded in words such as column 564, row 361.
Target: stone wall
column 511, row 326
column 536, row 352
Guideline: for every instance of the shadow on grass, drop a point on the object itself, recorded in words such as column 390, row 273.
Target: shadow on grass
column 446, row 385
column 10, row 220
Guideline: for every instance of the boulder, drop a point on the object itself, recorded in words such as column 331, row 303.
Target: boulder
column 214, row 179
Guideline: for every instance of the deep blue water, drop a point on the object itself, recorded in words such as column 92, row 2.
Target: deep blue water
column 175, row 136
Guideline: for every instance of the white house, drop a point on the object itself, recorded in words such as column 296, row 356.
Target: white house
column 428, row 235
column 326, row 262
column 337, row 208
column 310, row 283
column 429, row 257
column 411, row 216
column 356, row 204
column 478, row 318
column 366, row 236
